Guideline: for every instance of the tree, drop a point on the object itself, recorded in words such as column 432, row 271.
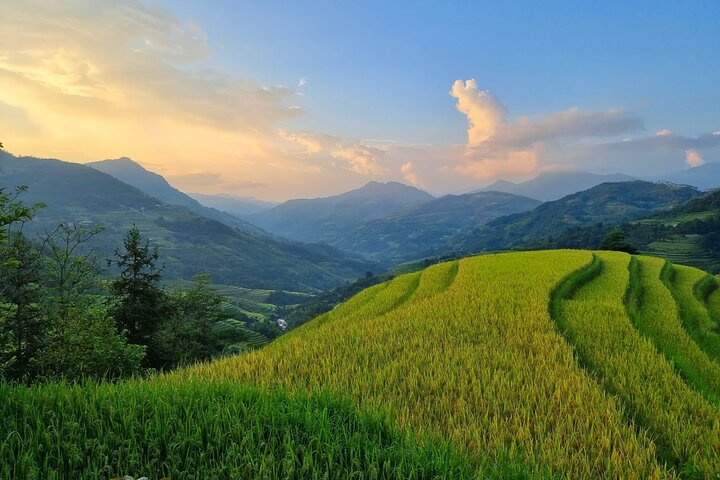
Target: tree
column 615, row 240
column 13, row 211
column 90, row 346
column 72, row 266
column 201, row 327
column 24, row 326
column 138, row 303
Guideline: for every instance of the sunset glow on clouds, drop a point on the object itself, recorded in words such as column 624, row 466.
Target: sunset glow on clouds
column 84, row 80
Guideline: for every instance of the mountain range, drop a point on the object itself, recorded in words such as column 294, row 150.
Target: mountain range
column 319, row 220
column 189, row 243
column 605, row 203
column 154, row 185
column 555, row 185
column 238, row 206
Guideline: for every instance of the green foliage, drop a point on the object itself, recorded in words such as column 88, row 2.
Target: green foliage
column 13, row 211
column 616, row 241
column 200, row 327
column 199, row 430
column 138, row 304
column 72, row 269
column 85, row 344
column 24, row 322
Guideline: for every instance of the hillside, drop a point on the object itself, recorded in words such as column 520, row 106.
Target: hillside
column 605, row 203
column 322, row 220
column 554, row 364
column 132, row 173
column 189, row 243
column 425, row 229
column 238, row 206
column 688, row 234
column 555, row 185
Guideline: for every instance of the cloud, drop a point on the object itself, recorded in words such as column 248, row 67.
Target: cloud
column 663, row 133
column 126, row 58
column 514, row 164
column 496, row 147
column 357, row 156
column 484, row 113
column 409, row 175
column 361, row 159
column 693, row 158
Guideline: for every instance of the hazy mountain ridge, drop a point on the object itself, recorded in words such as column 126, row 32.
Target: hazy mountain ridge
column 321, row 220
column 238, row 206
column 128, row 171
column 556, row 185
column 703, row 177
column 425, row 229
column 189, row 243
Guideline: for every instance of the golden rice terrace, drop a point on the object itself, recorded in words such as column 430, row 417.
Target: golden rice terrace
column 558, row 364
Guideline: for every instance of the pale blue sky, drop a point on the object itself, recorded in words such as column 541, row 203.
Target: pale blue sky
column 378, row 69
column 207, row 93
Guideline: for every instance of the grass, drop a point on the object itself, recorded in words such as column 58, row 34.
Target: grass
column 684, row 426
column 713, row 305
column 656, row 315
column 556, row 364
column 192, row 430
column 479, row 363
column 682, row 281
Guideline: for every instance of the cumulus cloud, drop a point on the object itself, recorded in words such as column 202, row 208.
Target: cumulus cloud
column 663, row 133
column 693, row 158
column 484, row 113
column 409, row 174
column 497, row 147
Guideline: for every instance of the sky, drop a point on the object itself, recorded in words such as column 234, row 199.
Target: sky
column 280, row 99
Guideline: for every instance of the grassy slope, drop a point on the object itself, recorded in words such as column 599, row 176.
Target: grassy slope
column 479, row 363
column 681, row 281
column 657, row 316
column 685, row 427
column 192, row 430
column 527, row 363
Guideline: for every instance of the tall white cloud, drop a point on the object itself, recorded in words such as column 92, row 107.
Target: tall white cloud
column 496, row 147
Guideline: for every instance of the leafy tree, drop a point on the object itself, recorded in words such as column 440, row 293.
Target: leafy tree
column 24, row 323
column 90, row 346
column 201, row 327
column 72, row 266
column 139, row 305
column 615, row 240
column 13, row 211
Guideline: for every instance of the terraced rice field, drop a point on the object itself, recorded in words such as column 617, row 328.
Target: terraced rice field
column 559, row 364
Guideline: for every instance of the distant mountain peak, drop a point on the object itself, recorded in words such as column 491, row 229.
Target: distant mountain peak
column 555, row 185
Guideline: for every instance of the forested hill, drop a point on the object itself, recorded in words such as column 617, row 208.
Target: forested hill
column 609, row 203
column 189, row 243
